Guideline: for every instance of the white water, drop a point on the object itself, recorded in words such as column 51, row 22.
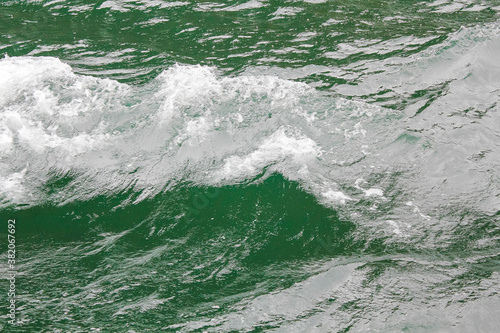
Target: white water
column 191, row 124
column 225, row 129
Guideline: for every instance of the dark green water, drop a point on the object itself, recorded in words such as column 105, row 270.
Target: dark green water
column 251, row 166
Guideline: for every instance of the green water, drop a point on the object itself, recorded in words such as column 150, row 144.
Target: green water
column 250, row 166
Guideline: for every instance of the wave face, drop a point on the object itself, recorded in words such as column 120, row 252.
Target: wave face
column 251, row 166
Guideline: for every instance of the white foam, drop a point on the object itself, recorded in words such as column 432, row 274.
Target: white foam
column 372, row 192
column 197, row 130
column 252, row 4
column 49, row 115
column 45, row 105
column 193, row 90
column 22, row 73
column 417, row 210
column 186, row 86
column 112, row 5
column 5, row 139
column 279, row 146
column 396, row 229
column 11, row 186
column 336, row 197
column 284, row 12
column 189, row 121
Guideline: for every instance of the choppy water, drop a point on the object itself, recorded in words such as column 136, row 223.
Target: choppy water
column 251, row 166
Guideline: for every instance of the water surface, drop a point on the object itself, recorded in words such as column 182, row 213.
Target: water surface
column 251, row 166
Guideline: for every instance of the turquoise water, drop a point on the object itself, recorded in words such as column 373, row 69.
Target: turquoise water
column 251, row 166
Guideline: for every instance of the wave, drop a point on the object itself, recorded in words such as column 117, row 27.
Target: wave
column 69, row 138
column 198, row 200
column 188, row 124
